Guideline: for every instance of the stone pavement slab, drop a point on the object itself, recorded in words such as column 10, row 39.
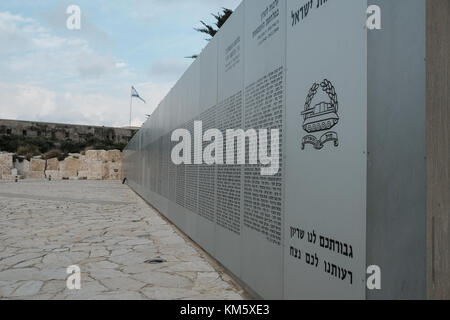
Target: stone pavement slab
column 111, row 234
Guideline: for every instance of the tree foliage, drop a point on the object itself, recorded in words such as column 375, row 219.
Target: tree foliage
column 33, row 146
column 221, row 18
column 211, row 30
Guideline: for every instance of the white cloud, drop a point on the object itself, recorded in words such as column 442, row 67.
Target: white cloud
column 50, row 74
column 43, row 53
column 51, row 78
column 91, row 65
column 12, row 38
column 9, row 17
column 19, row 101
column 169, row 68
column 28, row 102
column 121, row 64
column 56, row 19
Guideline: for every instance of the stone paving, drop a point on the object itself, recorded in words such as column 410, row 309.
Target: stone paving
column 111, row 234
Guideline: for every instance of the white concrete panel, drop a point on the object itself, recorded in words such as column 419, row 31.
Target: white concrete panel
column 229, row 115
column 209, row 75
column 326, row 146
column 249, row 76
column 264, row 104
column 231, row 55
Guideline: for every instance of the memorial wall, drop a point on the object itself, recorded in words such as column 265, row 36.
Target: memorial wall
column 300, row 67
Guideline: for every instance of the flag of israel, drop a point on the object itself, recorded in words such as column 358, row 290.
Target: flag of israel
column 135, row 94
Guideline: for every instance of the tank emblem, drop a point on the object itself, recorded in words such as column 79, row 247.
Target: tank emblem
column 320, row 117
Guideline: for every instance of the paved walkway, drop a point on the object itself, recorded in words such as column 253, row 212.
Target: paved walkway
column 110, row 233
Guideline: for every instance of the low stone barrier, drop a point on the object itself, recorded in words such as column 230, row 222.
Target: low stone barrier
column 93, row 165
column 7, row 170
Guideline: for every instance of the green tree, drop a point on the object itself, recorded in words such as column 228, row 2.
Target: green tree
column 211, row 30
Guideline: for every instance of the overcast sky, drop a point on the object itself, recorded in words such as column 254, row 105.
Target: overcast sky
column 50, row 73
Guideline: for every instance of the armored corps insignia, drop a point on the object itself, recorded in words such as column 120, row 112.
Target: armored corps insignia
column 321, row 117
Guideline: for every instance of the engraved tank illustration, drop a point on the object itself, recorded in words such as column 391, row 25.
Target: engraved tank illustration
column 322, row 116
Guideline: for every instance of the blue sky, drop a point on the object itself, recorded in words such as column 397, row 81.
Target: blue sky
column 50, row 73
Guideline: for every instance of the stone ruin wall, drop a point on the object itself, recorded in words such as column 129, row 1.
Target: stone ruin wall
column 64, row 132
column 93, row 165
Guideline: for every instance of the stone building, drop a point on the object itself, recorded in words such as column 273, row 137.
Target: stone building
column 61, row 132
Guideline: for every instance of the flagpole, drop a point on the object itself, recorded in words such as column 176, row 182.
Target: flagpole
column 131, row 104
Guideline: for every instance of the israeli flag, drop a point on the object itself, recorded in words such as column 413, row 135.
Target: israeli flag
column 135, row 94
